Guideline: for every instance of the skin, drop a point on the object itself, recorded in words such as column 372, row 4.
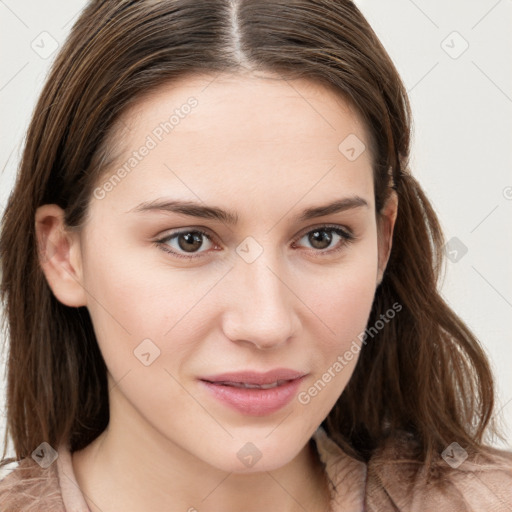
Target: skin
column 266, row 149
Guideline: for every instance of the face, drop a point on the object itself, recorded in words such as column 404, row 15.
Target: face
column 208, row 250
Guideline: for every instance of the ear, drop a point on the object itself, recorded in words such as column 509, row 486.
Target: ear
column 60, row 255
column 385, row 228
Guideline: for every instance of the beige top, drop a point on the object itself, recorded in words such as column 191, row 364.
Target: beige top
column 388, row 482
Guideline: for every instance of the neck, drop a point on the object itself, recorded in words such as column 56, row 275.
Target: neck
column 132, row 468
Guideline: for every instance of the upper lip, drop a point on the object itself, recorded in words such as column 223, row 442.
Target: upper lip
column 253, row 377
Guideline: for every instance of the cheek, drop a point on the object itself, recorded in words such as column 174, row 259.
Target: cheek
column 131, row 302
column 342, row 295
column 134, row 292
column 341, row 303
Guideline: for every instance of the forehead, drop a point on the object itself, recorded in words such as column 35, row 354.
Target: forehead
column 216, row 135
column 245, row 107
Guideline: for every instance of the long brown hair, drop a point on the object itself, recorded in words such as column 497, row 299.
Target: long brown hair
column 423, row 373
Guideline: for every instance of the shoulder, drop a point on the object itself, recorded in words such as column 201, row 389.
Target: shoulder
column 31, row 488
column 457, row 481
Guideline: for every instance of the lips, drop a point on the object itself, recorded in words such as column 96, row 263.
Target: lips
column 255, row 393
column 248, row 385
column 256, row 378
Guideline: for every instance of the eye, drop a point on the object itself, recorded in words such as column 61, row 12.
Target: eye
column 323, row 237
column 185, row 243
column 188, row 242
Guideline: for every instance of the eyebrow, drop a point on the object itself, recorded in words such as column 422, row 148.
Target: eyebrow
column 193, row 209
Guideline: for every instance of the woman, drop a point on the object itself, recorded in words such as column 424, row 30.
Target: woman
column 233, row 302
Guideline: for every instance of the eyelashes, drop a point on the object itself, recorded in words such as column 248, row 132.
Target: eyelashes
column 163, row 242
column 346, row 237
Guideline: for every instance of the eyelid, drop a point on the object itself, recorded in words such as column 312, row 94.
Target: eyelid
column 327, row 227
column 187, row 229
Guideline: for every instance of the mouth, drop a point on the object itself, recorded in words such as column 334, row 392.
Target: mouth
column 248, row 385
column 252, row 393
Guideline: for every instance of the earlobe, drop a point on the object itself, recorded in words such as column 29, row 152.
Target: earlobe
column 386, row 227
column 60, row 256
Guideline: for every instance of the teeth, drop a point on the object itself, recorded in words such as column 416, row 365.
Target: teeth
column 253, row 386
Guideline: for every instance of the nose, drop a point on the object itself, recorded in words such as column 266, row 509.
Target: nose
column 261, row 308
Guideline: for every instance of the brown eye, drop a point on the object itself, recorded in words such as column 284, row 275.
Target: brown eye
column 190, row 241
column 185, row 244
column 322, row 239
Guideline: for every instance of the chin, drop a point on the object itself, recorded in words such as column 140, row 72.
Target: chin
column 246, row 456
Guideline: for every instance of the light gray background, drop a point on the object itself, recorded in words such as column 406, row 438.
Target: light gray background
column 462, row 105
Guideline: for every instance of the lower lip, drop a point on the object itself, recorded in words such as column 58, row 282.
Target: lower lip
column 255, row 402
